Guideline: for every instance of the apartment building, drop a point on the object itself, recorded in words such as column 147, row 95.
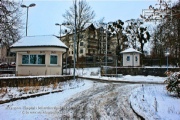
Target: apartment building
column 92, row 44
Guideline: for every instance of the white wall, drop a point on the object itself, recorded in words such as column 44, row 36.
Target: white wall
column 46, row 69
column 134, row 59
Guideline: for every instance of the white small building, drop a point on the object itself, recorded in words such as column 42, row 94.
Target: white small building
column 131, row 57
column 39, row 55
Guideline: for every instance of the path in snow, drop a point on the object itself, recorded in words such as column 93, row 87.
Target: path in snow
column 102, row 101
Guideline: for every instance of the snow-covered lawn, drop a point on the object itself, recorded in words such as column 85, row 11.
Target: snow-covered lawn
column 8, row 93
column 153, row 102
column 40, row 108
column 95, row 73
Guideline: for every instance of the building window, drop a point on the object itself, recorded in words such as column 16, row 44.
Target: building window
column 136, row 58
column 128, row 58
column 108, row 46
column 33, row 59
column 81, row 50
column 81, row 43
column 53, row 59
column 41, row 59
column 72, row 52
column 25, row 59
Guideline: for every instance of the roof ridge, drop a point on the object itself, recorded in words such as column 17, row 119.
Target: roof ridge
column 39, row 35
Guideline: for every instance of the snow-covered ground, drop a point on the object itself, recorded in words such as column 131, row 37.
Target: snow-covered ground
column 95, row 73
column 149, row 101
column 8, row 93
column 40, row 108
column 153, row 102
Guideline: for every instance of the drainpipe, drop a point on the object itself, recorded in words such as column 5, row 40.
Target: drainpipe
column 66, row 60
column 133, row 59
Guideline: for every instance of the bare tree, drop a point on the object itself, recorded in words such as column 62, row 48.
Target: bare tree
column 10, row 22
column 168, row 31
column 84, row 15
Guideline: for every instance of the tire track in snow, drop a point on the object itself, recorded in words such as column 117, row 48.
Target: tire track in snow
column 101, row 102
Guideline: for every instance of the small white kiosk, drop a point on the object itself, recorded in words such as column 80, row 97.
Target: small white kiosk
column 131, row 57
column 39, row 55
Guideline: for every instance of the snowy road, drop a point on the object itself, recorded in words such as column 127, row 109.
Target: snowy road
column 102, row 102
column 92, row 101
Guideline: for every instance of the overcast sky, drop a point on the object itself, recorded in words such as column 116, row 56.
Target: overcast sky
column 46, row 13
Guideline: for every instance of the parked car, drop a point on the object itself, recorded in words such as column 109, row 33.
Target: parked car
column 12, row 64
column 4, row 65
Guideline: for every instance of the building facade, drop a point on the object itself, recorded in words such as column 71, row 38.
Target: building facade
column 131, row 57
column 92, row 45
column 39, row 55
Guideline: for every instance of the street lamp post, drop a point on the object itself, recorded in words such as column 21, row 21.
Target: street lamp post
column 60, row 28
column 64, row 24
column 106, row 43
column 24, row 6
column 60, row 39
column 167, row 54
column 75, row 39
column 106, row 46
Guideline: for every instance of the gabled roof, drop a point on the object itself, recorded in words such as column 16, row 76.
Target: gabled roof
column 90, row 26
column 39, row 41
column 130, row 50
column 87, row 26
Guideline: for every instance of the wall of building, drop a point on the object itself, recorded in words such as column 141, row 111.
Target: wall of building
column 131, row 59
column 36, row 69
column 94, row 43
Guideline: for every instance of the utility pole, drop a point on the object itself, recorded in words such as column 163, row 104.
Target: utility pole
column 75, row 40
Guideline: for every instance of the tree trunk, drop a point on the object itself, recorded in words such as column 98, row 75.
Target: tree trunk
column 77, row 47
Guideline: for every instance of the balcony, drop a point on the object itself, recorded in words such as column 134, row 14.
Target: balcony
column 92, row 47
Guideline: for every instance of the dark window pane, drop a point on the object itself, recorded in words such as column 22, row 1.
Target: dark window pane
column 32, row 59
column 53, row 59
column 136, row 58
column 81, row 43
column 128, row 58
column 81, row 51
column 25, row 59
column 41, row 59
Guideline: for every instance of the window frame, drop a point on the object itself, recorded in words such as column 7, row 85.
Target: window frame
column 42, row 60
column 36, row 59
column 136, row 58
column 81, row 43
column 56, row 59
column 81, row 51
column 128, row 58
column 26, row 63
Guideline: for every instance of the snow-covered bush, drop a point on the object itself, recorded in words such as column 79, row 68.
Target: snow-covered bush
column 173, row 82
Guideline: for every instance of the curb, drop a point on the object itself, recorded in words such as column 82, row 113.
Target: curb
column 141, row 117
column 30, row 96
column 121, row 81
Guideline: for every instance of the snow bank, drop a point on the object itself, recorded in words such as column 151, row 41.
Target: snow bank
column 153, row 102
column 39, row 108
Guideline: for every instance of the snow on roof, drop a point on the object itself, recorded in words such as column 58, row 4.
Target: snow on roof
column 86, row 26
column 130, row 50
column 43, row 40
